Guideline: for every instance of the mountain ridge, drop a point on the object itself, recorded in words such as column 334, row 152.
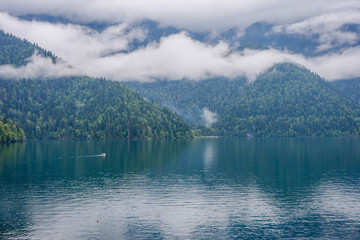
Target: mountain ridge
column 285, row 97
column 79, row 107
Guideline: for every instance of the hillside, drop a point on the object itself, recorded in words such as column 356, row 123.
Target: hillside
column 16, row 51
column 287, row 100
column 79, row 107
column 349, row 88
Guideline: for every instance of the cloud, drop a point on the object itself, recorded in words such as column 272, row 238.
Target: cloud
column 209, row 117
column 332, row 67
column 38, row 67
column 198, row 15
column 73, row 42
column 174, row 57
column 327, row 27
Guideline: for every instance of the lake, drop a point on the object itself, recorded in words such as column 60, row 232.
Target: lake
column 223, row 188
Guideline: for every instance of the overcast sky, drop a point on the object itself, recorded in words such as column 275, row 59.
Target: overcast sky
column 179, row 56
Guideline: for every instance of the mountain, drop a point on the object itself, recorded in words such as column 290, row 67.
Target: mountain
column 190, row 98
column 16, row 51
column 286, row 100
column 289, row 100
column 307, row 43
column 79, row 107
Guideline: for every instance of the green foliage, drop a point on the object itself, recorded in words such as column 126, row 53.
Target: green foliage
column 86, row 108
column 188, row 98
column 10, row 132
column 16, row 51
column 287, row 100
column 348, row 88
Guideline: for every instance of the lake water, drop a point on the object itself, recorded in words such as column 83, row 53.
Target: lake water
column 181, row 189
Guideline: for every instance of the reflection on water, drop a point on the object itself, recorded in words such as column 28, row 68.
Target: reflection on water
column 186, row 189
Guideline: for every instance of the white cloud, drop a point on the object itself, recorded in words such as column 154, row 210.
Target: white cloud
column 177, row 56
column 327, row 26
column 73, row 42
column 332, row 67
column 191, row 14
column 209, row 117
column 38, row 67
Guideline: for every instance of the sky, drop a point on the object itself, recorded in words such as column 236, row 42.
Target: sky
column 179, row 56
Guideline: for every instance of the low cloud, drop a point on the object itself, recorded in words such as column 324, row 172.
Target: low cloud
column 327, row 27
column 198, row 15
column 332, row 67
column 209, row 117
column 74, row 43
column 174, row 57
column 38, row 67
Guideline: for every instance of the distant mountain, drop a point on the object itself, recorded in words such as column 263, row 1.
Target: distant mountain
column 79, row 107
column 261, row 33
column 305, row 44
column 287, row 100
column 189, row 98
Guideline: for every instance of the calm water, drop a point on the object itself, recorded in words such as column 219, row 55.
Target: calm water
column 181, row 189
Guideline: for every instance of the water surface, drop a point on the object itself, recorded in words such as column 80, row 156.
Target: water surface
column 181, row 189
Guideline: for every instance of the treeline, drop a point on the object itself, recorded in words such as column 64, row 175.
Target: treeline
column 348, row 88
column 86, row 108
column 10, row 132
column 79, row 107
column 16, row 51
column 287, row 100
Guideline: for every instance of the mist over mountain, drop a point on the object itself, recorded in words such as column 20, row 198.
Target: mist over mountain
column 146, row 48
column 230, row 71
column 286, row 100
column 73, row 107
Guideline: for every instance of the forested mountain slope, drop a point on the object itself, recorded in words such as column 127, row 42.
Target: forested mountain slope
column 286, row 100
column 79, row 107
column 16, row 51
column 348, row 88
column 83, row 107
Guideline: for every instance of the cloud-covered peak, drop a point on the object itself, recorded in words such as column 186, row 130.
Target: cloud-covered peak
column 127, row 51
column 327, row 28
column 196, row 15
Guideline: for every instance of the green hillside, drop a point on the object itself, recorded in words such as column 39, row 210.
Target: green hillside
column 16, row 51
column 349, row 88
column 287, row 100
column 86, row 108
column 79, row 107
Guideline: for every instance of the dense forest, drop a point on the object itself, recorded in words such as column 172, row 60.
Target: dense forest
column 10, row 132
column 287, row 100
column 86, row 108
column 78, row 107
column 16, row 51
column 348, row 88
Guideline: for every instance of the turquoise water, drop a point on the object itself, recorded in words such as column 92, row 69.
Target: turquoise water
column 181, row 189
